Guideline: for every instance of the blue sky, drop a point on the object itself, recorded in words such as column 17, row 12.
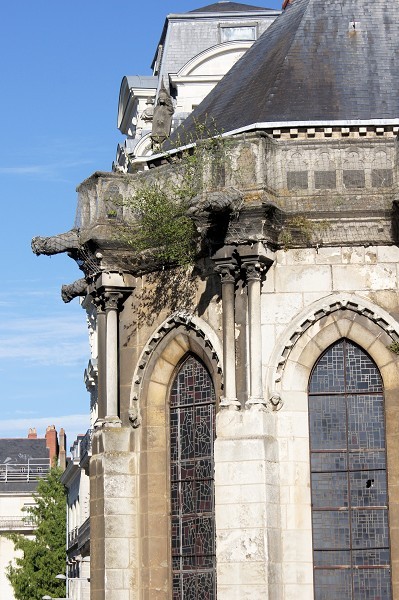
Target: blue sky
column 62, row 63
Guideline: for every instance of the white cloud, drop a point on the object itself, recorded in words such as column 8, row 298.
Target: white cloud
column 45, row 170
column 55, row 339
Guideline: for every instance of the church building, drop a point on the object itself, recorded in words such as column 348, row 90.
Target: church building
column 246, row 403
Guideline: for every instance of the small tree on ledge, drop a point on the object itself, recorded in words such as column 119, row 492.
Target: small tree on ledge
column 34, row 573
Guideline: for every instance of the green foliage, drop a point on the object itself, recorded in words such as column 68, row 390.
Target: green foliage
column 301, row 229
column 164, row 229
column 42, row 558
column 394, row 347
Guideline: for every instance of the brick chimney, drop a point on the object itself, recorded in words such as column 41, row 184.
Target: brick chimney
column 286, row 3
column 52, row 443
column 32, row 433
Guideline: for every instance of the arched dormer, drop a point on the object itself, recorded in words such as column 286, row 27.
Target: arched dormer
column 215, row 61
column 133, row 94
column 202, row 72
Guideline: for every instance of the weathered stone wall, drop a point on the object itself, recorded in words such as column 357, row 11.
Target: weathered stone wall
column 314, row 292
column 300, row 319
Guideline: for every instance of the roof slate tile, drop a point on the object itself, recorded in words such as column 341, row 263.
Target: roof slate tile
column 313, row 64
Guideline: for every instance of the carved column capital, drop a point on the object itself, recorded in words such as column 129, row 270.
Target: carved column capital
column 227, row 271
column 225, row 264
column 255, row 259
column 110, row 289
column 253, row 269
column 112, row 300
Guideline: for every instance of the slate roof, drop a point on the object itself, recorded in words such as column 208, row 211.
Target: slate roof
column 17, row 451
column 142, row 81
column 228, row 7
column 313, row 64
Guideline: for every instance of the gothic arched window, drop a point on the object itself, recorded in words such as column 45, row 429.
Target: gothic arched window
column 351, row 554
column 192, row 434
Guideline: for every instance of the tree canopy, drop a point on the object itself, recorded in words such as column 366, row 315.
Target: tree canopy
column 33, row 573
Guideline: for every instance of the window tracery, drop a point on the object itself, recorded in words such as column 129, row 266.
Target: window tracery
column 351, row 552
column 192, row 433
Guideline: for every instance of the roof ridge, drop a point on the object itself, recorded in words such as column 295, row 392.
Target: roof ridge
column 245, row 7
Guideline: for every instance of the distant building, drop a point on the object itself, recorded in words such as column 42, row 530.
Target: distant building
column 76, row 480
column 23, row 462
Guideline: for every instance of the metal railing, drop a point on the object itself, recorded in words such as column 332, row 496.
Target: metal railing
column 33, row 469
column 72, row 537
column 84, row 532
column 10, row 523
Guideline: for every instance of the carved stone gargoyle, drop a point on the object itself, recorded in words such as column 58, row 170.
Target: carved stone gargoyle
column 56, row 244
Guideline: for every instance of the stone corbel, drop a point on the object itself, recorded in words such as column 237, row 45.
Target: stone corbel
column 276, row 402
column 226, row 266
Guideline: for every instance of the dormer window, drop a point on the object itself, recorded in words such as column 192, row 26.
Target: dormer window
column 245, row 33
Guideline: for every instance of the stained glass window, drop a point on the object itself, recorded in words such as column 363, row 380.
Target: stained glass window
column 351, row 554
column 192, row 434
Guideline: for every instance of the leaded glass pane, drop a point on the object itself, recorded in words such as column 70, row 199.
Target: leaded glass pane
column 331, row 530
column 348, row 477
column 366, row 422
column 370, row 558
column 328, row 461
column 328, row 374
column 327, row 423
column 186, row 433
column 332, row 584
column 192, row 421
column 369, row 459
column 361, row 373
column 329, row 491
column 370, row 528
column 368, row 488
column 372, row 584
column 332, row 558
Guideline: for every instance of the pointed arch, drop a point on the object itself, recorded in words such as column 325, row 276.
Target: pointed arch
column 172, row 345
column 369, row 327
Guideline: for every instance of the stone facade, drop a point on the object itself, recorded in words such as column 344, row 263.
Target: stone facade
column 77, row 482
column 260, row 316
column 299, row 253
